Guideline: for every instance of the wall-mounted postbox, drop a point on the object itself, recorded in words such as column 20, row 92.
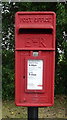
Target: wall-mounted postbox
column 34, row 58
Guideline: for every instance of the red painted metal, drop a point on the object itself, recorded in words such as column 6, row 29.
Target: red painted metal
column 34, row 31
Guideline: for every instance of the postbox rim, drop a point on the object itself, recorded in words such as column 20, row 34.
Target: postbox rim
column 35, row 12
column 37, row 27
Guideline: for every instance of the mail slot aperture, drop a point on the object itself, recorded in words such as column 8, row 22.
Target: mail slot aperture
column 35, row 31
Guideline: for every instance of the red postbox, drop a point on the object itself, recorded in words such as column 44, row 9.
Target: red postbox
column 34, row 58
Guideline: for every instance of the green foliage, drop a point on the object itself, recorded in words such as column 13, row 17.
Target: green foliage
column 8, row 74
column 61, row 58
column 8, row 19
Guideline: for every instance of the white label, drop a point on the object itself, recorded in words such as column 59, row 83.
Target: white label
column 35, row 75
